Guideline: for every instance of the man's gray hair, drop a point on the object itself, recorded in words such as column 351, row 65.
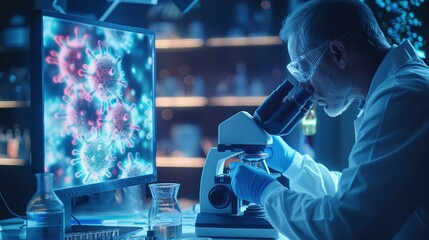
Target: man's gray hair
column 319, row 21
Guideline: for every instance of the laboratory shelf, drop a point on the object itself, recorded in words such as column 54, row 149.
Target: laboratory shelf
column 179, row 43
column 195, row 43
column 244, row 41
column 14, row 104
column 188, row 101
column 225, row 101
column 181, row 162
column 5, row 161
column 231, row 101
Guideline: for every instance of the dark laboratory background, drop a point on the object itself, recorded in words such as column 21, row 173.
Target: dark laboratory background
column 219, row 58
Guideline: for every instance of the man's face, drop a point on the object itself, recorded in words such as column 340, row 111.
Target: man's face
column 331, row 88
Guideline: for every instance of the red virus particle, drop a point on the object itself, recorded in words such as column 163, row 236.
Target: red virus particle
column 95, row 158
column 69, row 58
column 79, row 115
column 105, row 75
column 120, row 125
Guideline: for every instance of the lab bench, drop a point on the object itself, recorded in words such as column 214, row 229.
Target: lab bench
column 14, row 228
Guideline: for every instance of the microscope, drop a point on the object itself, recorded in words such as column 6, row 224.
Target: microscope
column 222, row 214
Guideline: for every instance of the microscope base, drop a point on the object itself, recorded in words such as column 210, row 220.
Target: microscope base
column 224, row 225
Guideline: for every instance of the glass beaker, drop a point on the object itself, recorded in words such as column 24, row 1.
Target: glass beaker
column 165, row 216
column 45, row 211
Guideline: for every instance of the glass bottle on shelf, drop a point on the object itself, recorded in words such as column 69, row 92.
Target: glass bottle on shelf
column 3, row 141
column 13, row 143
column 240, row 79
column 45, row 211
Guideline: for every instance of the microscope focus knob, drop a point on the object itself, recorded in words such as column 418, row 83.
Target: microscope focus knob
column 220, row 197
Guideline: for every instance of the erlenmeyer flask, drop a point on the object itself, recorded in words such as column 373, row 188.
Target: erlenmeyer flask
column 45, row 211
column 165, row 216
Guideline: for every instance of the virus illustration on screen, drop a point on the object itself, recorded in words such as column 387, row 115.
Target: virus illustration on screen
column 94, row 157
column 146, row 118
column 105, row 76
column 133, row 167
column 79, row 115
column 69, row 59
column 119, row 122
column 120, row 41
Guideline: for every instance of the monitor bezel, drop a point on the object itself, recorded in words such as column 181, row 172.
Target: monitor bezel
column 37, row 105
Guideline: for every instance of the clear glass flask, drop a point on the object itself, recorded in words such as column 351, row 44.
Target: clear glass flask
column 165, row 216
column 45, row 211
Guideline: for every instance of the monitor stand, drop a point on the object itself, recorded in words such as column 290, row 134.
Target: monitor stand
column 124, row 231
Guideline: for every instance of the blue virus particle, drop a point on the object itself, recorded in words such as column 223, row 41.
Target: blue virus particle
column 119, row 122
column 94, row 157
column 105, row 75
column 134, row 166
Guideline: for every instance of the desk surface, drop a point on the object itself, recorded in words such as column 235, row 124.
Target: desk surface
column 14, row 228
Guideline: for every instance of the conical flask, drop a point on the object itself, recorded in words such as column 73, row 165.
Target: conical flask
column 165, row 216
column 45, row 211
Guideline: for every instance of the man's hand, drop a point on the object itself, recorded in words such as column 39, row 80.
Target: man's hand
column 248, row 182
column 280, row 155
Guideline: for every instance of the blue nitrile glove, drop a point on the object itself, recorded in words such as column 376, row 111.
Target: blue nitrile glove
column 280, row 155
column 248, row 182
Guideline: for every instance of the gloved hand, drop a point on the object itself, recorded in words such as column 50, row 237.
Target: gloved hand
column 280, row 155
column 248, row 182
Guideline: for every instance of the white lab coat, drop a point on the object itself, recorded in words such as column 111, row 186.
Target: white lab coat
column 384, row 193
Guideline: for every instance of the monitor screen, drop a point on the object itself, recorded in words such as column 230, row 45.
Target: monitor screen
column 92, row 101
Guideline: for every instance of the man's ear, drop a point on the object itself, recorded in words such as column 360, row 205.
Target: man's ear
column 338, row 53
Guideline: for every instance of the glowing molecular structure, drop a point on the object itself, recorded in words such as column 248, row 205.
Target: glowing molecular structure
column 79, row 114
column 119, row 122
column 69, row 58
column 133, row 167
column 95, row 158
column 105, row 75
column 400, row 20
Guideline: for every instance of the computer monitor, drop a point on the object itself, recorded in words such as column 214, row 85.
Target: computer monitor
column 92, row 103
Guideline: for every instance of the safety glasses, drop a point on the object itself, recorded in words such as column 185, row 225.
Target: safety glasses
column 303, row 67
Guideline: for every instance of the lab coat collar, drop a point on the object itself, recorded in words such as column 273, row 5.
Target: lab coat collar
column 397, row 57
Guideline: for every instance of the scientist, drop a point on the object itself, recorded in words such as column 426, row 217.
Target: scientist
column 339, row 50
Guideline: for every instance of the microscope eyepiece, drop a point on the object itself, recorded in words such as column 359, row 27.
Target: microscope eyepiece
column 273, row 102
column 280, row 112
